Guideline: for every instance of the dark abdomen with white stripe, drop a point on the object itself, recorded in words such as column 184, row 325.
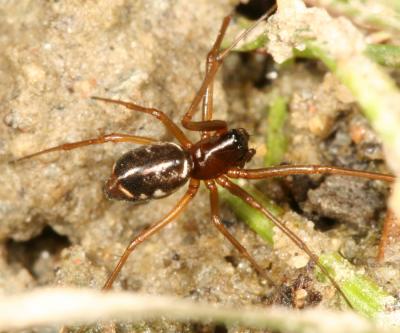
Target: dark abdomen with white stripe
column 149, row 172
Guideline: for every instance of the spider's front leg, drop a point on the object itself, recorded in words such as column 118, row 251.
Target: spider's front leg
column 161, row 116
column 215, row 58
column 290, row 170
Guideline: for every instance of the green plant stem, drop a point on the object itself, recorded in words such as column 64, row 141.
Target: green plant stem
column 276, row 139
column 252, row 217
column 384, row 54
column 379, row 14
column 364, row 294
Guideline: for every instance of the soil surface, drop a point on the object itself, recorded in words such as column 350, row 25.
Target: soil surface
column 57, row 227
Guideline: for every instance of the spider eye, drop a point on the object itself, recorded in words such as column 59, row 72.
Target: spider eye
column 240, row 137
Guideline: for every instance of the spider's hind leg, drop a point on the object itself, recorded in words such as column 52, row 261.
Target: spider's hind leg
column 179, row 207
column 252, row 202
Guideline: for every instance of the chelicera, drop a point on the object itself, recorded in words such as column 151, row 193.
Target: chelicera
column 157, row 169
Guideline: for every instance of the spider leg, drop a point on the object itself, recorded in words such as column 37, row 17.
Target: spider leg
column 214, row 61
column 251, row 201
column 208, row 98
column 113, row 137
column 179, row 207
column 207, row 107
column 390, row 227
column 289, row 170
column 215, row 218
column 168, row 123
column 205, row 91
column 246, row 32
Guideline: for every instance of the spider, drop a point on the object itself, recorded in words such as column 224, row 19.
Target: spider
column 157, row 169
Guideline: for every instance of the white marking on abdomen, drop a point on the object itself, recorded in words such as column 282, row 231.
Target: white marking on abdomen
column 158, row 193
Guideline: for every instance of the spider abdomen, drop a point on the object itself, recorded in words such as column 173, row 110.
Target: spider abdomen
column 149, row 172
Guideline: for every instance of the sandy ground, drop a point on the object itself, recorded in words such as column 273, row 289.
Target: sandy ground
column 55, row 55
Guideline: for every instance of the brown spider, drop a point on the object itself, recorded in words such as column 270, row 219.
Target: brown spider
column 156, row 169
